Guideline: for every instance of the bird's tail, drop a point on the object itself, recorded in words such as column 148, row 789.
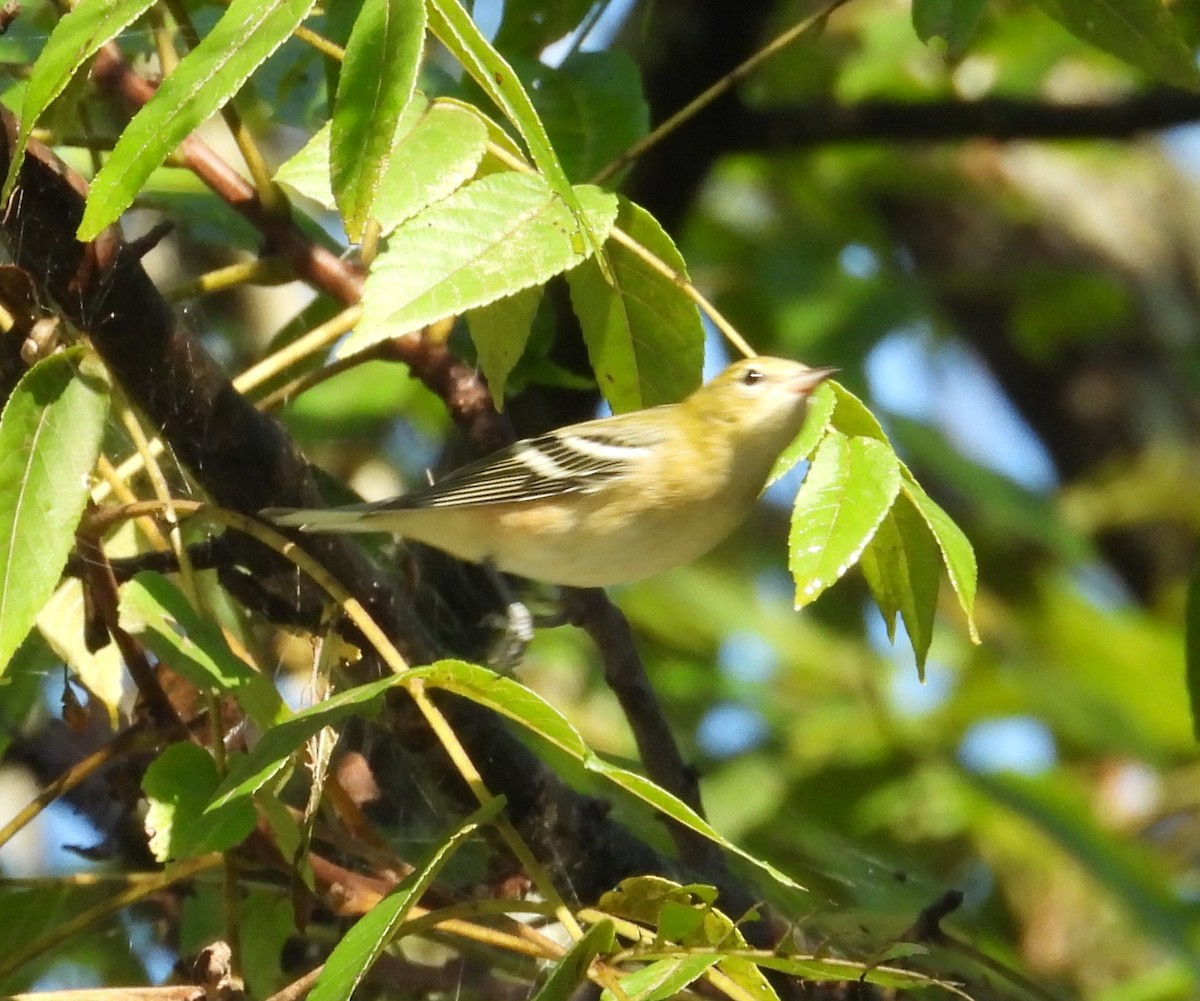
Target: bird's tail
column 349, row 518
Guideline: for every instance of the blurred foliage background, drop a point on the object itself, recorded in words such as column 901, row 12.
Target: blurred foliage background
column 995, row 236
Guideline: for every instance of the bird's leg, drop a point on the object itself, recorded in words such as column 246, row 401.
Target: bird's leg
column 517, row 625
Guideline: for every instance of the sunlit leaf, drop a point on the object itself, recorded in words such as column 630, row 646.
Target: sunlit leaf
column 500, row 330
column 50, row 434
column 462, row 37
column 178, row 785
column 849, row 488
column 957, row 553
column 379, row 72
column 504, row 233
column 77, row 36
column 643, row 334
column 902, row 566
column 852, row 417
column 816, row 422
column 662, row 979
column 205, row 79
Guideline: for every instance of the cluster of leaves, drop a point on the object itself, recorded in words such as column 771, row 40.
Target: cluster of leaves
column 479, row 211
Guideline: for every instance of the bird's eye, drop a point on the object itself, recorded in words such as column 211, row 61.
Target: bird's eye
column 751, row 376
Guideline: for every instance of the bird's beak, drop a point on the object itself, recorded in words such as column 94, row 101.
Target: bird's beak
column 811, row 379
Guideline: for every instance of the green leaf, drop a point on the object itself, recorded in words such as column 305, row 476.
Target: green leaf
column 662, row 979
column 819, row 968
column 953, row 21
column 355, row 954
column 267, row 922
column 852, row 417
column 500, row 330
column 902, row 566
column 592, row 106
column 644, row 336
column 438, row 148
column 50, row 434
column 528, row 709
column 195, row 647
column 76, row 37
column 491, row 239
column 248, row 773
column 205, row 79
column 957, row 553
column 570, row 971
column 685, row 915
column 1192, row 647
column 816, row 422
column 849, row 489
column 455, row 30
column 375, row 86
column 307, row 170
column 1141, row 32
column 178, row 785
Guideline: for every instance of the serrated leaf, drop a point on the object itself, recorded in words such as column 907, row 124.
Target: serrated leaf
column 50, row 434
column 852, row 417
column 504, row 233
column 307, row 170
column 902, row 566
column 438, row 147
column 956, row 550
column 379, row 72
column 500, row 331
column 178, row 785
column 644, row 336
column 205, row 79
column 850, row 486
column 454, row 28
column 77, row 36
column 1141, row 32
column 358, row 949
column 571, row 970
column 195, row 648
column 816, row 422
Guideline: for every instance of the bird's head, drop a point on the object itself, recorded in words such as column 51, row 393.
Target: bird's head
column 760, row 395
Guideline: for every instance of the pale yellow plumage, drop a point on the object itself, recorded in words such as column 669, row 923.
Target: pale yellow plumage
column 611, row 500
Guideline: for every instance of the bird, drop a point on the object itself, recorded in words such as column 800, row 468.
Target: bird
column 607, row 501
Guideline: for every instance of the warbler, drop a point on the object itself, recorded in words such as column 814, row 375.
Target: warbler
column 606, row 501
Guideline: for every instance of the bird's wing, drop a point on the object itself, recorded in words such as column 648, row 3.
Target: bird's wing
column 578, row 459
